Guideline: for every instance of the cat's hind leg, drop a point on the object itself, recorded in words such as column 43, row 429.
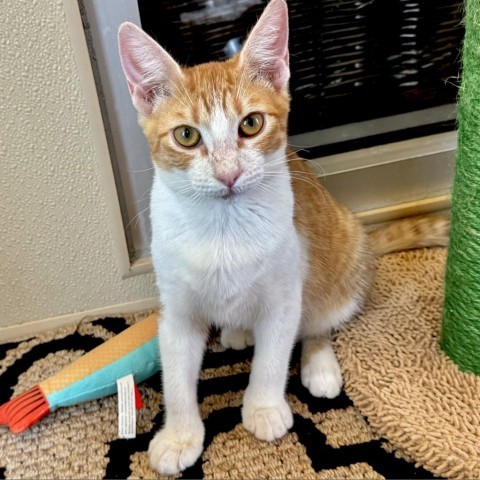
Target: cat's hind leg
column 321, row 373
column 236, row 339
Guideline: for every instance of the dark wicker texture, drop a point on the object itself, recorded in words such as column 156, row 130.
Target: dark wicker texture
column 351, row 60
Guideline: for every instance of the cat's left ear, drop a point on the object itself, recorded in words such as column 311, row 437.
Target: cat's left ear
column 265, row 52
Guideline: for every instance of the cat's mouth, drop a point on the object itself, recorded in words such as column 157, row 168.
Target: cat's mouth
column 236, row 191
column 228, row 195
column 224, row 194
column 232, row 193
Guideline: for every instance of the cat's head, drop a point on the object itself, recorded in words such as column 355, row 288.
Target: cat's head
column 216, row 127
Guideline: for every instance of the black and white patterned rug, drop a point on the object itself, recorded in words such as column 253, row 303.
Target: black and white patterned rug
column 330, row 438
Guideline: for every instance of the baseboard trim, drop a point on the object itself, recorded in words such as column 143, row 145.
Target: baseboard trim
column 27, row 330
column 406, row 209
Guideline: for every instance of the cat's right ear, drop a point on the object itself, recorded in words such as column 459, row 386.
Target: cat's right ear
column 265, row 52
column 149, row 69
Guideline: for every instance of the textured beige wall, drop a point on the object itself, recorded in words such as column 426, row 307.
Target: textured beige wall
column 57, row 253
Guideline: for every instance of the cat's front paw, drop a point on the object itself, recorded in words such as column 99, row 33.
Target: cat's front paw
column 236, row 339
column 323, row 379
column 170, row 452
column 267, row 422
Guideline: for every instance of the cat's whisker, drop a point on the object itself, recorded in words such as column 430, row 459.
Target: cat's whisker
column 142, row 198
column 179, row 182
column 321, row 169
column 186, row 190
column 300, row 175
column 137, row 171
column 196, row 198
column 136, row 217
column 187, row 201
column 310, row 174
column 301, row 148
column 267, row 186
column 283, row 161
column 283, row 158
column 296, row 176
column 184, row 186
column 199, row 198
column 312, row 177
column 267, row 189
column 184, row 193
column 291, row 154
column 276, row 163
column 313, row 184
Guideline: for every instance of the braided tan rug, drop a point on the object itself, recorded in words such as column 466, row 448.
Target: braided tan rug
column 330, row 438
column 399, row 378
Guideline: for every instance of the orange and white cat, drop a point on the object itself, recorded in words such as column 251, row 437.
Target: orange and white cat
column 243, row 236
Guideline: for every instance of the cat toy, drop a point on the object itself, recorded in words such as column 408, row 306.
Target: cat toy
column 94, row 375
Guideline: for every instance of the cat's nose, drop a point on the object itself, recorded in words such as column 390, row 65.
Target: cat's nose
column 228, row 178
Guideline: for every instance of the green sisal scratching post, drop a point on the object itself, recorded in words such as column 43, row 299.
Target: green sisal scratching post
column 460, row 338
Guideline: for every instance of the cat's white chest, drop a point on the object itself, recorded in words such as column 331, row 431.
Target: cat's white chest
column 210, row 253
column 215, row 280
column 220, row 258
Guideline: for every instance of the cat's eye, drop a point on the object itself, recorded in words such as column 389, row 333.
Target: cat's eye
column 187, row 136
column 251, row 125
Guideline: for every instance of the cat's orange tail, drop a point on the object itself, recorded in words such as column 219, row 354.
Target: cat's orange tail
column 414, row 232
